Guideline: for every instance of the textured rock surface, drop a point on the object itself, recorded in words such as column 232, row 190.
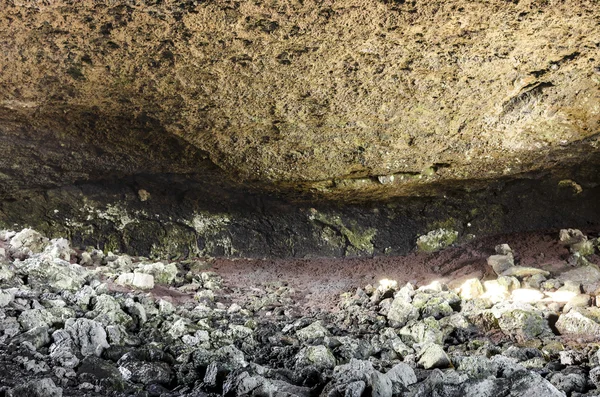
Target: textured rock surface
column 364, row 96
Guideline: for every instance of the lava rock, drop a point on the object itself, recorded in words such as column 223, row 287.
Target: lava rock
column 36, row 388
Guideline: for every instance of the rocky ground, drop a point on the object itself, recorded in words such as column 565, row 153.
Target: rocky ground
column 84, row 322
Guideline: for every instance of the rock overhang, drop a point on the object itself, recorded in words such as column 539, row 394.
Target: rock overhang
column 452, row 103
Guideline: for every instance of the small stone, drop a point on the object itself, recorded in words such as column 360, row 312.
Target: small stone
column 434, row 356
column 503, row 249
column 571, row 236
column 136, row 280
column 500, row 263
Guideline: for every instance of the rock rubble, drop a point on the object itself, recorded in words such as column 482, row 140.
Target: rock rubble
column 74, row 323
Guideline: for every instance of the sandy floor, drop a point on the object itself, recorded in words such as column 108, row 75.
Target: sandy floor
column 320, row 281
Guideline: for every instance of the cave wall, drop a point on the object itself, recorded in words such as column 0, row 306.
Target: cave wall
column 297, row 128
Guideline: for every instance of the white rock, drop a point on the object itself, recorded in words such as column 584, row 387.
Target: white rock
column 88, row 334
column 137, row 280
column 26, row 243
column 59, row 248
column 434, row 356
column 6, row 296
column 471, row 289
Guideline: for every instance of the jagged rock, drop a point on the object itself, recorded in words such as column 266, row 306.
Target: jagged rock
column 575, row 323
column 146, row 372
column 107, row 311
column 63, row 349
column 37, row 336
column 503, row 249
column 594, row 375
column 571, row 236
column 401, row 375
column 88, row 335
column 345, row 376
column 33, row 318
column 426, row 331
column 136, row 280
column 569, row 382
column 581, row 300
column 433, row 356
column 401, row 312
column 54, row 272
column 59, row 248
column 478, row 367
column 320, row 356
column 435, row 305
column 36, row 388
column 588, row 277
column 521, row 321
column 26, row 243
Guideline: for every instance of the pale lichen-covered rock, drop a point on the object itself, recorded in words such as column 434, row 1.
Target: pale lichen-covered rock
column 436, row 240
column 88, row 335
column 59, row 248
column 577, row 324
column 471, row 289
column 313, row 331
column 54, row 272
column 107, row 310
column 401, row 312
column 6, row 296
column 136, row 280
column 521, row 321
column 320, row 356
column 26, row 243
column 163, row 274
column 434, row 356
